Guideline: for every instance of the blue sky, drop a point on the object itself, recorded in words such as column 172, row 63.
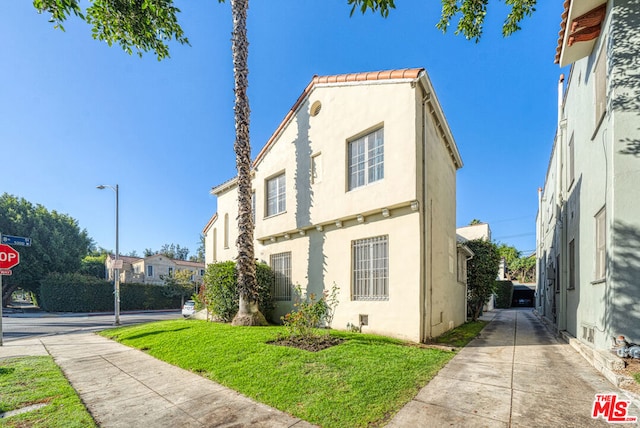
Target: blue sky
column 75, row 113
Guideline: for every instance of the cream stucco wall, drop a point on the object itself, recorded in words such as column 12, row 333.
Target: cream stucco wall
column 323, row 258
column 413, row 205
column 347, row 112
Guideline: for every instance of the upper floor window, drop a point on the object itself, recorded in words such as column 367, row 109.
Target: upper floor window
column 366, row 159
column 149, row 270
column 276, row 195
column 572, row 168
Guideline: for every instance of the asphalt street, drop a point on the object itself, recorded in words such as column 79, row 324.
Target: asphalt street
column 34, row 323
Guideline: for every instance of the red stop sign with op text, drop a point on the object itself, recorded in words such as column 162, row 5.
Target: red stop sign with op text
column 8, row 257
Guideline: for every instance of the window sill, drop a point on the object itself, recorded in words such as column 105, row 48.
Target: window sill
column 598, row 281
column 274, row 215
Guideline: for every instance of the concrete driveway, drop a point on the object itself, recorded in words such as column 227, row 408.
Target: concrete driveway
column 516, row 374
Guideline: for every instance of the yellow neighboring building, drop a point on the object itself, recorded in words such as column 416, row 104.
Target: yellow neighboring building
column 150, row 270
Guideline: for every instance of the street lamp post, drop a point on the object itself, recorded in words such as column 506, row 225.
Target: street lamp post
column 116, row 284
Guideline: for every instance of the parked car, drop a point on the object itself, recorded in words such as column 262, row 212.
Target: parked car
column 189, row 308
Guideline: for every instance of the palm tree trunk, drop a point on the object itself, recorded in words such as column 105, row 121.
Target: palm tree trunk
column 248, row 312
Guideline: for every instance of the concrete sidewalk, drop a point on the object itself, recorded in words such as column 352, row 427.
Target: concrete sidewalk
column 124, row 387
column 515, row 374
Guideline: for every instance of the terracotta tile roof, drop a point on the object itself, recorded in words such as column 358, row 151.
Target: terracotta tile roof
column 563, row 26
column 210, row 223
column 126, row 259
column 405, row 73
column 188, row 263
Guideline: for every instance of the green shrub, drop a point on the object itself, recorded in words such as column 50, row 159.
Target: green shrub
column 504, row 294
column 309, row 313
column 221, row 291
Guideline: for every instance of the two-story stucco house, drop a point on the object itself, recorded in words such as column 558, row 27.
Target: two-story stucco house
column 151, row 270
column 357, row 188
column 588, row 230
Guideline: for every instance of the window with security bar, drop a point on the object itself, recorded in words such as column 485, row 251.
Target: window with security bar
column 366, row 159
column 370, row 261
column 281, row 266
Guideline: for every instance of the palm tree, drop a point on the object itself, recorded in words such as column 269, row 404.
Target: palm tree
column 248, row 311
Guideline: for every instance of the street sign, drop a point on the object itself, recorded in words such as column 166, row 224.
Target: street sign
column 8, row 257
column 16, row 240
column 5, row 272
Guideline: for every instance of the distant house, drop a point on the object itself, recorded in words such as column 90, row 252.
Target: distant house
column 357, row 188
column 150, row 270
column 588, row 223
column 475, row 231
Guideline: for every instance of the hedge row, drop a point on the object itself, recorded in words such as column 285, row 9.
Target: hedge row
column 504, row 294
column 82, row 293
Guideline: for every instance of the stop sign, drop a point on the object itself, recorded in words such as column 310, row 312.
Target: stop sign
column 8, row 257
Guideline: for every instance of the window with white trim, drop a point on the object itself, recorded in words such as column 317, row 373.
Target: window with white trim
column 226, row 231
column 572, row 168
column 276, row 195
column 366, row 159
column 462, row 268
column 601, row 244
column 370, row 269
column 281, row 266
column 253, row 207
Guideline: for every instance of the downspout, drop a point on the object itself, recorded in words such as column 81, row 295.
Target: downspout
column 539, row 241
column 424, row 300
column 561, row 218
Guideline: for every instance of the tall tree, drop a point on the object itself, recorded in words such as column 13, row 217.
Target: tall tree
column 58, row 244
column 199, row 256
column 482, row 271
column 147, row 25
column 518, row 268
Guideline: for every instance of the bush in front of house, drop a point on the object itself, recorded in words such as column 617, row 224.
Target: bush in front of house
column 504, row 294
column 73, row 292
column 220, row 294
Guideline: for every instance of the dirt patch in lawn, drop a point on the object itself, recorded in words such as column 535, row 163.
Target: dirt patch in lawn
column 312, row 344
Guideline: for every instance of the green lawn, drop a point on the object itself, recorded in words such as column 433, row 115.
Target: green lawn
column 29, row 381
column 462, row 335
column 362, row 382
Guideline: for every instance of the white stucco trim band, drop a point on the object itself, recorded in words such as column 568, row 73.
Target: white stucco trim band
column 357, row 218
